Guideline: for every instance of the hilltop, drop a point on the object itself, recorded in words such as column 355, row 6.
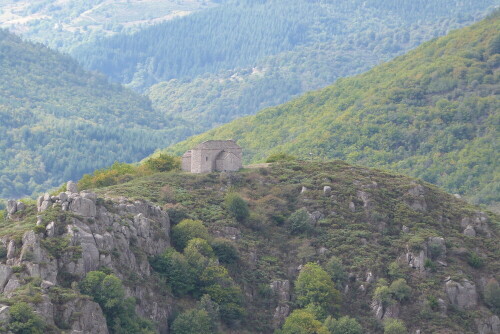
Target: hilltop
column 59, row 121
column 239, row 252
column 432, row 113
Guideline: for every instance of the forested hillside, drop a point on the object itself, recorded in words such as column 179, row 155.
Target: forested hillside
column 432, row 113
column 64, row 24
column 58, row 121
column 238, row 58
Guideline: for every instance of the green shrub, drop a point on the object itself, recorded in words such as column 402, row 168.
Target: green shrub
column 186, row 230
column 336, row 271
column 23, row 320
column 177, row 270
column 302, row 322
column 193, row 321
column 163, row 163
column 474, row 260
column 344, row 325
column 39, row 229
column 400, row 290
column 279, row 157
column 395, row 270
column 315, row 286
column 237, row 206
column 394, row 326
column 114, row 174
column 299, row 221
column 383, row 295
column 3, row 252
column 225, row 250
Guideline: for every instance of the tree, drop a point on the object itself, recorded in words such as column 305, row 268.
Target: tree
column 303, row 322
column 344, row 325
column 186, row 230
column 315, row 288
column 24, row 321
column 394, row 326
column 237, row 206
column 225, row 250
column 400, row 290
column 193, row 321
column 174, row 266
column 336, row 271
column 163, row 163
column 299, row 221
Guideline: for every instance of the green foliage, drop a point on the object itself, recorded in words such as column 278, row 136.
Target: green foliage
column 107, row 290
column 116, row 173
column 400, row 290
column 186, row 230
column 302, row 322
column 65, row 122
column 414, row 115
column 3, row 252
column 193, row 321
column 474, row 260
column 237, row 206
column 298, row 222
column 394, row 326
column 277, row 157
column 163, row 163
column 23, row 320
column 315, row 287
column 395, row 270
column 383, row 294
column 492, row 294
column 212, row 308
column 344, row 325
column 335, row 269
column 177, row 270
column 225, row 250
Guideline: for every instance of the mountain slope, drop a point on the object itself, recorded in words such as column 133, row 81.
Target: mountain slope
column 64, row 24
column 435, row 257
column 432, row 113
column 58, row 121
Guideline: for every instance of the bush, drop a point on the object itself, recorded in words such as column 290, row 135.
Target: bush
column 315, row 286
column 336, row 271
column 193, row 321
column 344, row 325
column 163, row 163
column 177, row 270
column 299, row 221
column 400, row 290
column 302, row 322
column 225, row 250
column 394, row 326
column 492, row 294
column 237, row 206
column 280, row 157
column 107, row 176
column 474, row 260
column 3, row 252
column 23, row 320
column 186, row 230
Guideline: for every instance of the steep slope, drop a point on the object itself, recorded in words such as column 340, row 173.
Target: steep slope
column 58, row 121
column 367, row 228
column 233, row 60
column 432, row 113
column 64, row 24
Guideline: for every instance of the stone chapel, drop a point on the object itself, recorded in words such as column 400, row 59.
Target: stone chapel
column 213, row 155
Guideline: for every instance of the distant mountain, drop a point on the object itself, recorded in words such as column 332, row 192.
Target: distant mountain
column 432, row 113
column 58, row 121
column 231, row 61
column 62, row 24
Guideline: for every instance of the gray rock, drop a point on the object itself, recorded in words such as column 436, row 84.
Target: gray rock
column 281, row 289
column 46, row 285
column 20, row 206
column 365, row 198
column 470, row 231
column 46, row 197
column 380, row 312
column 11, row 286
column 71, row 187
column 65, row 206
column 4, row 313
column 463, row 295
column 369, row 277
column 489, row 325
column 280, row 314
column 415, row 198
column 89, row 195
column 5, row 273
column 11, row 250
column 51, row 229
column 416, row 261
column 352, row 206
column 229, row 233
column 39, row 202
column 11, row 207
column 39, row 220
column 45, row 205
column 83, row 207
column 63, row 197
column 303, row 190
column 406, row 229
column 84, row 316
column 327, row 190
column 479, row 221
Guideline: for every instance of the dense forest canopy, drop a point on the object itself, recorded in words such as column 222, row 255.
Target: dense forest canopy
column 58, row 121
column 432, row 113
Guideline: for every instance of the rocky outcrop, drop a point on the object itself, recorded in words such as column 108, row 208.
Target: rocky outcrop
column 434, row 248
column 488, row 325
column 281, row 289
column 462, row 295
column 384, row 312
column 478, row 223
column 415, row 198
column 117, row 234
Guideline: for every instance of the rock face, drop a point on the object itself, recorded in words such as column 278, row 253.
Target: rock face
column 463, row 295
column 415, row 198
column 281, row 290
column 119, row 235
column 434, row 248
column 11, row 207
column 490, row 325
column 479, row 224
column 384, row 312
